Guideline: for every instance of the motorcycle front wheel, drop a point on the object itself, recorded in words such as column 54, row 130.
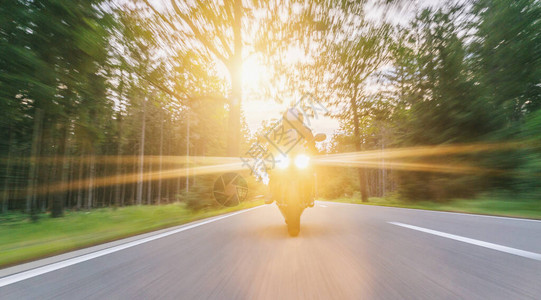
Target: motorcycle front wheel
column 293, row 221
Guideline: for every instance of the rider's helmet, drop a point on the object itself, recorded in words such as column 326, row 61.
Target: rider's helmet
column 294, row 115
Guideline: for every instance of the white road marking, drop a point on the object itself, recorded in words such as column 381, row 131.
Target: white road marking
column 72, row 261
column 473, row 215
column 514, row 251
column 323, row 205
column 441, row 212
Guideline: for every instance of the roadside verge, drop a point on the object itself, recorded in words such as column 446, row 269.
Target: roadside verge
column 22, row 241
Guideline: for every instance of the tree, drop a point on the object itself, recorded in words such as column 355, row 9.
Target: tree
column 356, row 60
column 507, row 56
column 214, row 29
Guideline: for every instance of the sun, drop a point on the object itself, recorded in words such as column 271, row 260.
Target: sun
column 255, row 76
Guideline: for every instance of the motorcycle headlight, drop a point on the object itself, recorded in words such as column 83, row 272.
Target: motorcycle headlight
column 282, row 162
column 302, row 161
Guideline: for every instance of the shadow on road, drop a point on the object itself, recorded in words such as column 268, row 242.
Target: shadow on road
column 279, row 232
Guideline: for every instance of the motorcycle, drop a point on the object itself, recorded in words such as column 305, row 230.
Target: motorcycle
column 292, row 185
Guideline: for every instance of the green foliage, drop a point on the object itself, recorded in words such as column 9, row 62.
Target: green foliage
column 200, row 195
column 98, row 73
column 335, row 182
column 527, row 174
column 458, row 76
column 508, row 56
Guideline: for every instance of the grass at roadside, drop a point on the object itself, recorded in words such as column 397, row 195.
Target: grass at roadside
column 486, row 206
column 21, row 240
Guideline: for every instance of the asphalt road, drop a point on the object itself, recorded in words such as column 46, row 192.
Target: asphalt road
column 344, row 251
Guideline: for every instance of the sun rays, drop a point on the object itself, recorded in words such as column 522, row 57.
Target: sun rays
column 406, row 159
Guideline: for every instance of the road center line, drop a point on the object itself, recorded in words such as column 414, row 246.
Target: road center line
column 72, row 261
column 514, row 251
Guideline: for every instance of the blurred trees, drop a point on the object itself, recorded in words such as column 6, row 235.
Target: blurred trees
column 92, row 108
column 506, row 56
column 53, row 77
column 226, row 33
column 443, row 105
column 357, row 59
column 506, row 63
column 98, row 100
column 459, row 74
column 212, row 30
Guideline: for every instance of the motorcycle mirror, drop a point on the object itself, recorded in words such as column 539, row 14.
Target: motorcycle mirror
column 320, row 137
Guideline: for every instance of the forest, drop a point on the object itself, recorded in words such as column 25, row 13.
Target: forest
column 119, row 103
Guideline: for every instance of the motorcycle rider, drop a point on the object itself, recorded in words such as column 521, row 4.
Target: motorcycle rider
column 293, row 125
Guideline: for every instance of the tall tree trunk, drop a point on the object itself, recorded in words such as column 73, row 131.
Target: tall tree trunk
column 178, row 192
column 139, row 197
column 235, row 71
column 188, row 155
column 5, row 192
column 357, row 133
column 194, row 153
column 63, row 168
column 149, row 187
column 91, row 174
column 71, row 186
column 51, row 177
column 119, row 183
column 31, row 194
column 134, row 186
column 80, row 181
column 161, row 160
column 383, row 171
column 123, row 193
column 111, row 191
column 168, row 190
column 21, row 174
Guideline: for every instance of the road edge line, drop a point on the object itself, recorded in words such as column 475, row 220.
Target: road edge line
column 440, row 211
column 23, row 275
